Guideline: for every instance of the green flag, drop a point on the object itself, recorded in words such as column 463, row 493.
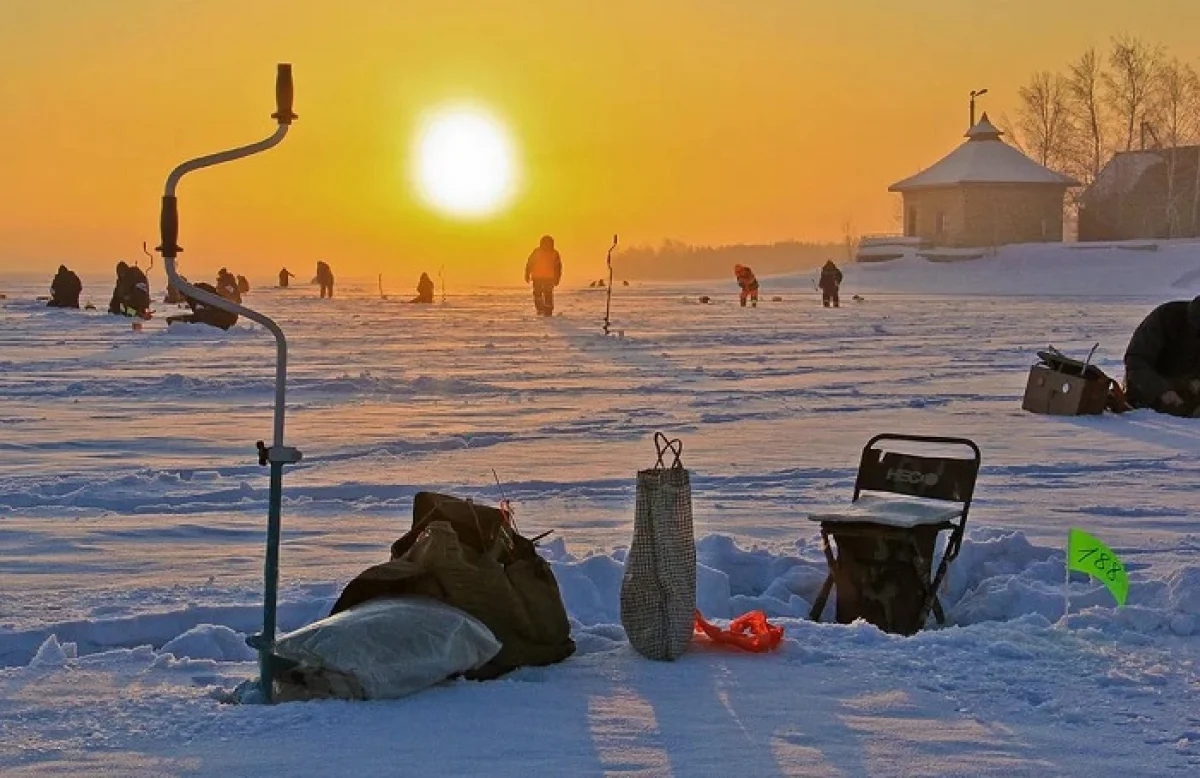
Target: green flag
column 1088, row 555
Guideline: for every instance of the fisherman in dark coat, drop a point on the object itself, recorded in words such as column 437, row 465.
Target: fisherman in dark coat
column 424, row 290
column 831, row 280
column 203, row 313
column 544, row 269
column 1162, row 363
column 227, row 286
column 65, row 289
column 325, row 279
column 131, row 295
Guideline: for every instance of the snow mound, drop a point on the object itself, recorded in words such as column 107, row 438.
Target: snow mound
column 210, row 641
column 999, row 576
column 52, row 653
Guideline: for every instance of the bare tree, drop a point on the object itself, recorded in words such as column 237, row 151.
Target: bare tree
column 898, row 213
column 1044, row 119
column 1131, row 82
column 849, row 239
column 1084, row 79
column 1176, row 113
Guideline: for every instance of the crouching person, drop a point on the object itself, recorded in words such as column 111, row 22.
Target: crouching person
column 65, row 289
column 131, row 295
column 748, row 283
column 1162, row 363
column 203, row 313
column 424, row 290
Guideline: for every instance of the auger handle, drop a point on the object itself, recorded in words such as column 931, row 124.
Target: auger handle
column 283, row 94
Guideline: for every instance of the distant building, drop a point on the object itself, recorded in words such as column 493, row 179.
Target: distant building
column 1145, row 194
column 984, row 193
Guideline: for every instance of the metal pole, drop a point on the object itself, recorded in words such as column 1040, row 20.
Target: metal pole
column 277, row 455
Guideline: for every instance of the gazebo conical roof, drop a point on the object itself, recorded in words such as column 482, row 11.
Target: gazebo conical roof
column 983, row 159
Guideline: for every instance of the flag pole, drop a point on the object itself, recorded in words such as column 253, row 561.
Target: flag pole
column 1067, row 581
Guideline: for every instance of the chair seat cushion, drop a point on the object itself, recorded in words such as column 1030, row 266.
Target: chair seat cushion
column 892, row 510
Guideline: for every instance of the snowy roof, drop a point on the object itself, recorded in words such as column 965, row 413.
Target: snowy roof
column 983, row 130
column 1126, row 169
column 983, row 159
column 1121, row 174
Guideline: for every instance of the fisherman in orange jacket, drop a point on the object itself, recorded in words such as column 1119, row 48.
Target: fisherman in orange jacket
column 544, row 269
column 748, row 283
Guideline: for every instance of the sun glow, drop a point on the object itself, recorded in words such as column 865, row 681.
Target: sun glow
column 465, row 163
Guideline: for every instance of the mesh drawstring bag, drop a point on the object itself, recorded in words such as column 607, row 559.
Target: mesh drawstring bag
column 658, row 590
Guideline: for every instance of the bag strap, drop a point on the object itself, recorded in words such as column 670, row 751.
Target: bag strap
column 664, row 445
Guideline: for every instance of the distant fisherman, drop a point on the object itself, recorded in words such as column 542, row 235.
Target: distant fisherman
column 325, row 279
column 284, row 275
column 227, row 286
column 544, row 269
column 1162, row 363
column 203, row 313
column 831, row 281
column 748, row 283
column 65, row 289
column 424, row 290
column 131, row 295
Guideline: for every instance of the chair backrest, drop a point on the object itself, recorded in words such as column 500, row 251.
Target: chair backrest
column 949, row 478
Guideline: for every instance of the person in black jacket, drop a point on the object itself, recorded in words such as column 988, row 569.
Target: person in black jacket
column 227, row 286
column 831, row 281
column 424, row 290
column 325, row 279
column 1162, row 363
column 203, row 313
column 131, row 295
column 65, row 289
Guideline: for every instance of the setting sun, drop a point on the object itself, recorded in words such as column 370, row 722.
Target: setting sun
column 464, row 162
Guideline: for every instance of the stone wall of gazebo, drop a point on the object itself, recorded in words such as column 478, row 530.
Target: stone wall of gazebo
column 977, row 215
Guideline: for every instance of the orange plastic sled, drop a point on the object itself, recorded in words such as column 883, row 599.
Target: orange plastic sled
column 749, row 632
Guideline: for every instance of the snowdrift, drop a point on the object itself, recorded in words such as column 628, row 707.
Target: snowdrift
column 999, row 576
column 1063, row 269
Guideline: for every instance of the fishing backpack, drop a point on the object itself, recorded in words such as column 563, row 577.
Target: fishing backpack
column 471, row 556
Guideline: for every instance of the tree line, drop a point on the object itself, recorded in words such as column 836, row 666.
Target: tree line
column 674, row 260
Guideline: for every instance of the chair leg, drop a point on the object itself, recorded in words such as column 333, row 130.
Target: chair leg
column 932, row 601
column 822, row 598
column 827, row 587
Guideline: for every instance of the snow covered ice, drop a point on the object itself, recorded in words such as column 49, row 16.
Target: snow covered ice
column 132, row 515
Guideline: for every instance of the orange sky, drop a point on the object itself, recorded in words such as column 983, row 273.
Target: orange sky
column 709, row 121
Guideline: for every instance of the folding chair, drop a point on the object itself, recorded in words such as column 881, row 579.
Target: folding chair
column 886, row 538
